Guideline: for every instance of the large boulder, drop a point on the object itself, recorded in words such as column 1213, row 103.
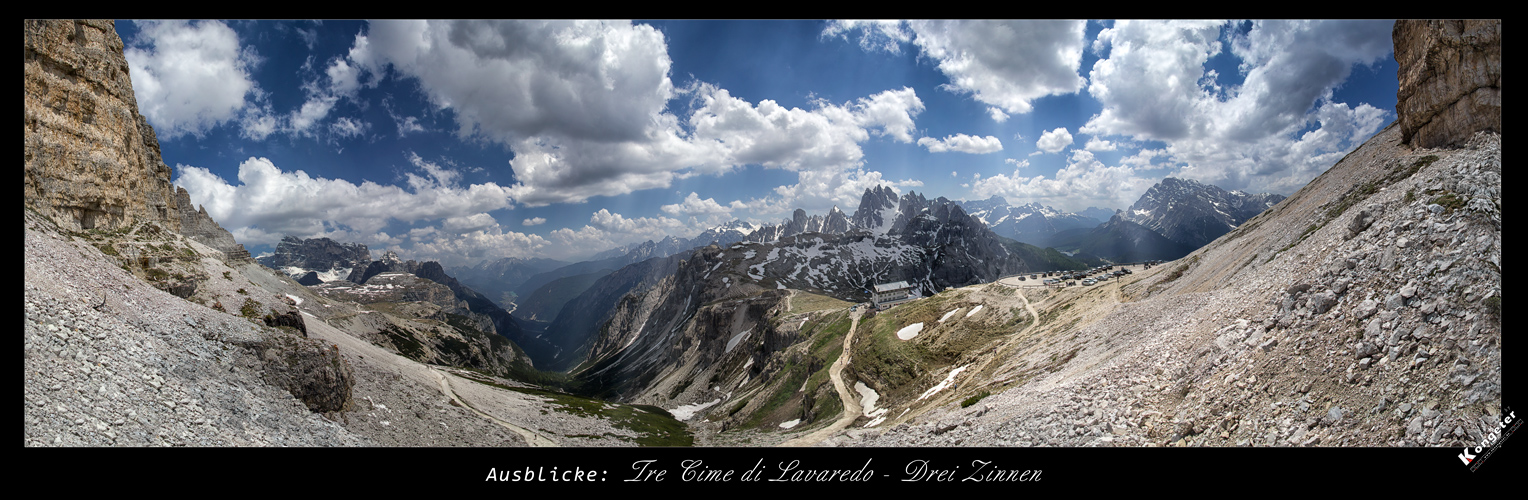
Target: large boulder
column 1450, row 80
column 290, row 318
column 313, row 371
column 310, row 279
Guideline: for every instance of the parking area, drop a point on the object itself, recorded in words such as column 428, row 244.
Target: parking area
column 1062, row 279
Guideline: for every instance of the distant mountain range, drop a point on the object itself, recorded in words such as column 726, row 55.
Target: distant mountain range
column 1194, row 214
column 1030, row 223
column 930, row 244
column 1172, row 219
column 1187, row 215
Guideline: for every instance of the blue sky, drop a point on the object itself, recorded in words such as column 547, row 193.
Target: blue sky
column 467, row 140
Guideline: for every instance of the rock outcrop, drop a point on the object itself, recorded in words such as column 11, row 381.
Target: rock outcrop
column 388, row 263
column 323, row 255
column 309, row 279
column 390, row 286
column 313, row 371
column 90, row 158
column 1450, row 80
column 289, row 318
column 196, row 225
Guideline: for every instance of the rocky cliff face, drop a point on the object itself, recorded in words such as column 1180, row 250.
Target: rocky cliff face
column 322, row 255
column 90, row 158
column 198, row 226
column 876, row 210
column 1450, row 80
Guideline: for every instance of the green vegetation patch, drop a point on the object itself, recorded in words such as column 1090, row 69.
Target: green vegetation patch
column 808, row 302
column 787, row 381
column 654, row 426
column 405, row 343
column 1352, row 197
column 250, row 309
column 1450, row 201
column 156, row 274
column 1174, row 274
column 1049, row 315
column 1401, row 174
column 973, row 399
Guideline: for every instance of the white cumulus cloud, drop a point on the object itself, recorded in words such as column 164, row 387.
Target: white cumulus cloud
column 1052, row 141
column 1274, row 132
column 962, row 143
column 189, row 77
column 584, row 106
column 269, row 203
column 1005, row 64
column 693, row 205
column 1084, row 182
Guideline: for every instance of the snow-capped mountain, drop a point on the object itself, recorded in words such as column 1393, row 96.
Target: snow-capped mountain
column 1194, row 214
column 1031, row 223
column 329, row 259
column 877, row 211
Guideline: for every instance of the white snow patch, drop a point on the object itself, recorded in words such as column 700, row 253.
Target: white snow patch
column 732, row 342
column 779, row 286
column 973, row 310
column 334, row 274
column 868, row 397
column 294, row 299
column 948, row 380
column 910, row 331
column 628, row 341
column 948, row 314
column 750, row 254
column 684, row 412
column 790, row 424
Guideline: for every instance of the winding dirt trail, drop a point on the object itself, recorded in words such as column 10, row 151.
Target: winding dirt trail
column 852, row 408
column 987, row 362
column 530, row 436
column 387, row 361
